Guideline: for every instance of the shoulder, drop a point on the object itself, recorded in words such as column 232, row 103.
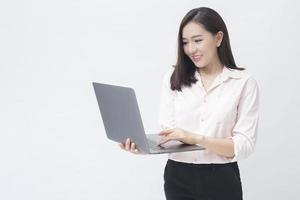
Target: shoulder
column 248, row 82
column 244, row 75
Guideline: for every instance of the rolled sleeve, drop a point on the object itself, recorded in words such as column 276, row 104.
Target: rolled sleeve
column 244, row 133
column 166, row 107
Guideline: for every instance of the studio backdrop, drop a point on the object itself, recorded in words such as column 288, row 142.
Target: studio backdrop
column 52, row 140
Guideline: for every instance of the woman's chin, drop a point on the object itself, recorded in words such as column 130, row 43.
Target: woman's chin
column 198, row 65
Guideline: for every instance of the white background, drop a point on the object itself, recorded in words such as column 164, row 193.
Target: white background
column 52, row 141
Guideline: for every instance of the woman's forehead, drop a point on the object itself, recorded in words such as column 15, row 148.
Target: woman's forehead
column 192, row 30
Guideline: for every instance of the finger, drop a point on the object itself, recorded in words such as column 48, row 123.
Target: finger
column 127, row 144
column 163, row 141
column 121, row 145
column 162, row 133
column 132, row 148
column 166, row 132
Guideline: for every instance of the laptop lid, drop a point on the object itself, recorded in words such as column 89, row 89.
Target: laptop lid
column 120, row 114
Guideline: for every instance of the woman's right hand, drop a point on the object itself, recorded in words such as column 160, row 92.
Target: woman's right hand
column 129, row 146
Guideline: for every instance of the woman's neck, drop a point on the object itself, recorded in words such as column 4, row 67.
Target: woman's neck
column 211, row 70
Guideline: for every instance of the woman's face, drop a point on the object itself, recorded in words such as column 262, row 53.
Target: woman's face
column 200, row 45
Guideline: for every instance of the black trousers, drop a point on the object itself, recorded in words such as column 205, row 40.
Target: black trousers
column 185, row 181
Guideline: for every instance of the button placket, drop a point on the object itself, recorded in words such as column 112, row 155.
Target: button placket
column 204, row 103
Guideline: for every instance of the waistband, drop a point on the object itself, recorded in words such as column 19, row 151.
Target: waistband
column 204, row 166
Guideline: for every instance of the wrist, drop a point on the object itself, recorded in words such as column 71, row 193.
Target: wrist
column 196, row 138
column 191, row 138
column 200, row 140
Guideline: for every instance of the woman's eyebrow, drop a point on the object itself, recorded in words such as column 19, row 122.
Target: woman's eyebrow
column 194, row 36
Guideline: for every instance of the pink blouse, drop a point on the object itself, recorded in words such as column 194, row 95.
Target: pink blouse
column 229, row 109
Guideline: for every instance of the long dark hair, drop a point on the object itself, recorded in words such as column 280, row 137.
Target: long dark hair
column 183, row 74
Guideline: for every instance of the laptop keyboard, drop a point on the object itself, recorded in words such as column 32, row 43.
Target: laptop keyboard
column 154, row 145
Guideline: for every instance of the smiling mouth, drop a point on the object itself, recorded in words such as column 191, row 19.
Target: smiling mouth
column 196, row 58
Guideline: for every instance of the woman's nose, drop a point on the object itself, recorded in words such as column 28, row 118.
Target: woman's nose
column 192, row 48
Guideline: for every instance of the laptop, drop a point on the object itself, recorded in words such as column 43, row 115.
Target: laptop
column 122, row 119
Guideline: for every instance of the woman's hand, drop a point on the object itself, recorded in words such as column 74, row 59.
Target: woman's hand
column 180, row 135
column 129, row 146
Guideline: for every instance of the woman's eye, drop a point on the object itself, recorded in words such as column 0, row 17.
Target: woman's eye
column 198, row 41
column 184, row 43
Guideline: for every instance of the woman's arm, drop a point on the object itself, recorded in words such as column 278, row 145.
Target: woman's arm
column 221, row 146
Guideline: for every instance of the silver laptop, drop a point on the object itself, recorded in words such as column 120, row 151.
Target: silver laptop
column 122, row 119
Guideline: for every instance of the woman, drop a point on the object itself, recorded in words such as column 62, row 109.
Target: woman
column 206, row 100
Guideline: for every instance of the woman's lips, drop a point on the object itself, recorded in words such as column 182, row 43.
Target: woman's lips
column 196, row 58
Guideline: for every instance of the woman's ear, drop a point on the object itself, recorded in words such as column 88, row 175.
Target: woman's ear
column 219, row 37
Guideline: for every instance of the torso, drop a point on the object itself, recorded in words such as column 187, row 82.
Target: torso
column 206, row 82
column 213, row 113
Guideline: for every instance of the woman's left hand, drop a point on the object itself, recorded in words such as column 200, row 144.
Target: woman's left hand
column 178, row 134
